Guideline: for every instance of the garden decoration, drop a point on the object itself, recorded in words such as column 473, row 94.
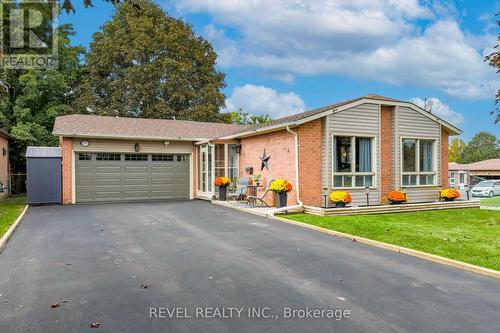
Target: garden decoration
column 340, row 198
column 397, row 197
column 222, row 182
column 449, row 194
column 281, row 187
column 265, row 161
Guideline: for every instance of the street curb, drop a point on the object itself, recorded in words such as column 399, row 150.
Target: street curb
column 399, row 249
column 10, row 231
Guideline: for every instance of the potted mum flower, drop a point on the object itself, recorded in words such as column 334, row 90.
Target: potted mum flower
column 340, row 198
column 449, row 194
column 281, row 187
column 397, row 197
column 222, row 182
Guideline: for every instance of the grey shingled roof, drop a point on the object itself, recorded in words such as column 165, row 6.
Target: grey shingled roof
column 102, row 126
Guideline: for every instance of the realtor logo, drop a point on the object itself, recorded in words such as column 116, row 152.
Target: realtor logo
column 28, row 34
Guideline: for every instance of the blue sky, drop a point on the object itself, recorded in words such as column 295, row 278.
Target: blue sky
column 282, row 57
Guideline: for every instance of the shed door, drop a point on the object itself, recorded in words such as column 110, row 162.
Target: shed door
column 130, row 177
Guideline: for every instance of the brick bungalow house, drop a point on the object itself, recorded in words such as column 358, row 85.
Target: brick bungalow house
column 4, row 163
column 371, row 143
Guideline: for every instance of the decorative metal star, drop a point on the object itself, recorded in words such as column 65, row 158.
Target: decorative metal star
column 265, row 161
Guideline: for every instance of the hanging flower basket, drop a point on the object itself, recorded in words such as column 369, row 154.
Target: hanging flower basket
column 397, row 197
column 340, row 198
column 449, row 194
column 281, row 187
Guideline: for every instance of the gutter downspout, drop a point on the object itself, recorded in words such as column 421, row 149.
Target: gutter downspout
column 297, row 191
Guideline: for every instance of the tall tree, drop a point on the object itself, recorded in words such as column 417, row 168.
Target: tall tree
column 36, row 97
column 241, row 117
column 456, row 150
column 493, row 60
column 151, row 65
column 482, row 146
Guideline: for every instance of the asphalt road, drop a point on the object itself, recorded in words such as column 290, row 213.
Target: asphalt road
column 93, row 259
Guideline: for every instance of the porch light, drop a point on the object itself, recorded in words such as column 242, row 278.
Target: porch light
column 238, row 149
column 367, row 192
column 136, row 147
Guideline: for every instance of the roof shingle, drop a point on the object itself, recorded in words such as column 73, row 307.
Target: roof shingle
column 103, row 126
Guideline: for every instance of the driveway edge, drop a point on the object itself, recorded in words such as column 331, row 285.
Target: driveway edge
column 5, row 238
column 399, row 249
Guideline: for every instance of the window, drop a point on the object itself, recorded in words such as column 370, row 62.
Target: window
column 108, row 157
column 462, row 178
column 162, row 158
column 452, row 178
column 84, row 157
column 136, row 157
column 352, row 161
column 219, row 160
column 418, row 162
column 233, row 161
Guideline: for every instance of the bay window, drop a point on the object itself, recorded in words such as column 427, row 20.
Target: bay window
column 353, row 161
column 418, row 165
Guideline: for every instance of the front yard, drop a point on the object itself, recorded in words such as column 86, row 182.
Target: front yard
column 468, row 235
column 9, row 211
column 491, row 201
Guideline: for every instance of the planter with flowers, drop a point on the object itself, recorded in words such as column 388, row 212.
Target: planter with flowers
column 281, row 187
column 340, row 198
column 449, row 194
column 397, row 197
column 222, row 182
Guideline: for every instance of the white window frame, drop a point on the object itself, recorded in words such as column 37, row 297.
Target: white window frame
column 452, row 178
column 353, row 174
column 419, row 173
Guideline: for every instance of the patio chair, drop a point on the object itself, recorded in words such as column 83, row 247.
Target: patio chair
column 241, row 190
column 252, row 199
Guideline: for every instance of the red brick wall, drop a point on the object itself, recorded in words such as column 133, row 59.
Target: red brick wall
column 281, row 147
column 67, row 169
column 387, row 182
column 444, row 158
column 310, row 152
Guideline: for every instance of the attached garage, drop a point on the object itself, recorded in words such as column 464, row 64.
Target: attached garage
column 107, row 177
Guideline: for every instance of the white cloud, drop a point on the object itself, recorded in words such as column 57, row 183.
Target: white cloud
column 260, row 100
column 370, row 39
column 439, row 109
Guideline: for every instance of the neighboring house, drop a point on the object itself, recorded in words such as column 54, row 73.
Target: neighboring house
column 4, row 163
column 462, row 175
column 369, row 143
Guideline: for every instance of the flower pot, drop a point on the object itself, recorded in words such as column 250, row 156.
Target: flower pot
column 449, row 199
column 282, row 199
column 396, row 202
column 222, row 193
column 340, row 204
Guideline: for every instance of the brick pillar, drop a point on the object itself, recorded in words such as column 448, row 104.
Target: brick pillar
column 387, row 183
column 67, row 169
column 310, row 152
column 444, row 158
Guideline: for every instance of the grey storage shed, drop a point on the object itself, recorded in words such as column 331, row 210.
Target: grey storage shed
column 43, row 168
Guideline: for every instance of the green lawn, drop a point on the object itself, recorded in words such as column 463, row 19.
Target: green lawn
column 9, row 211
column 469, row 235
column 491, row 202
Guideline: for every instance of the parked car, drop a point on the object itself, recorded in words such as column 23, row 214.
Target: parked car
column 486, row 188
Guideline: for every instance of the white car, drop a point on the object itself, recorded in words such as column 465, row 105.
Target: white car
column 486, row 188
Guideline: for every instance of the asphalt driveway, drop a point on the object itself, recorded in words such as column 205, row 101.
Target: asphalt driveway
column 205, row 260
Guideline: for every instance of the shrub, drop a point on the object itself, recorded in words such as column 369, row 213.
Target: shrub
column 340, row 197
column 449, row 193
column 397, row 196
column 280, row 185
